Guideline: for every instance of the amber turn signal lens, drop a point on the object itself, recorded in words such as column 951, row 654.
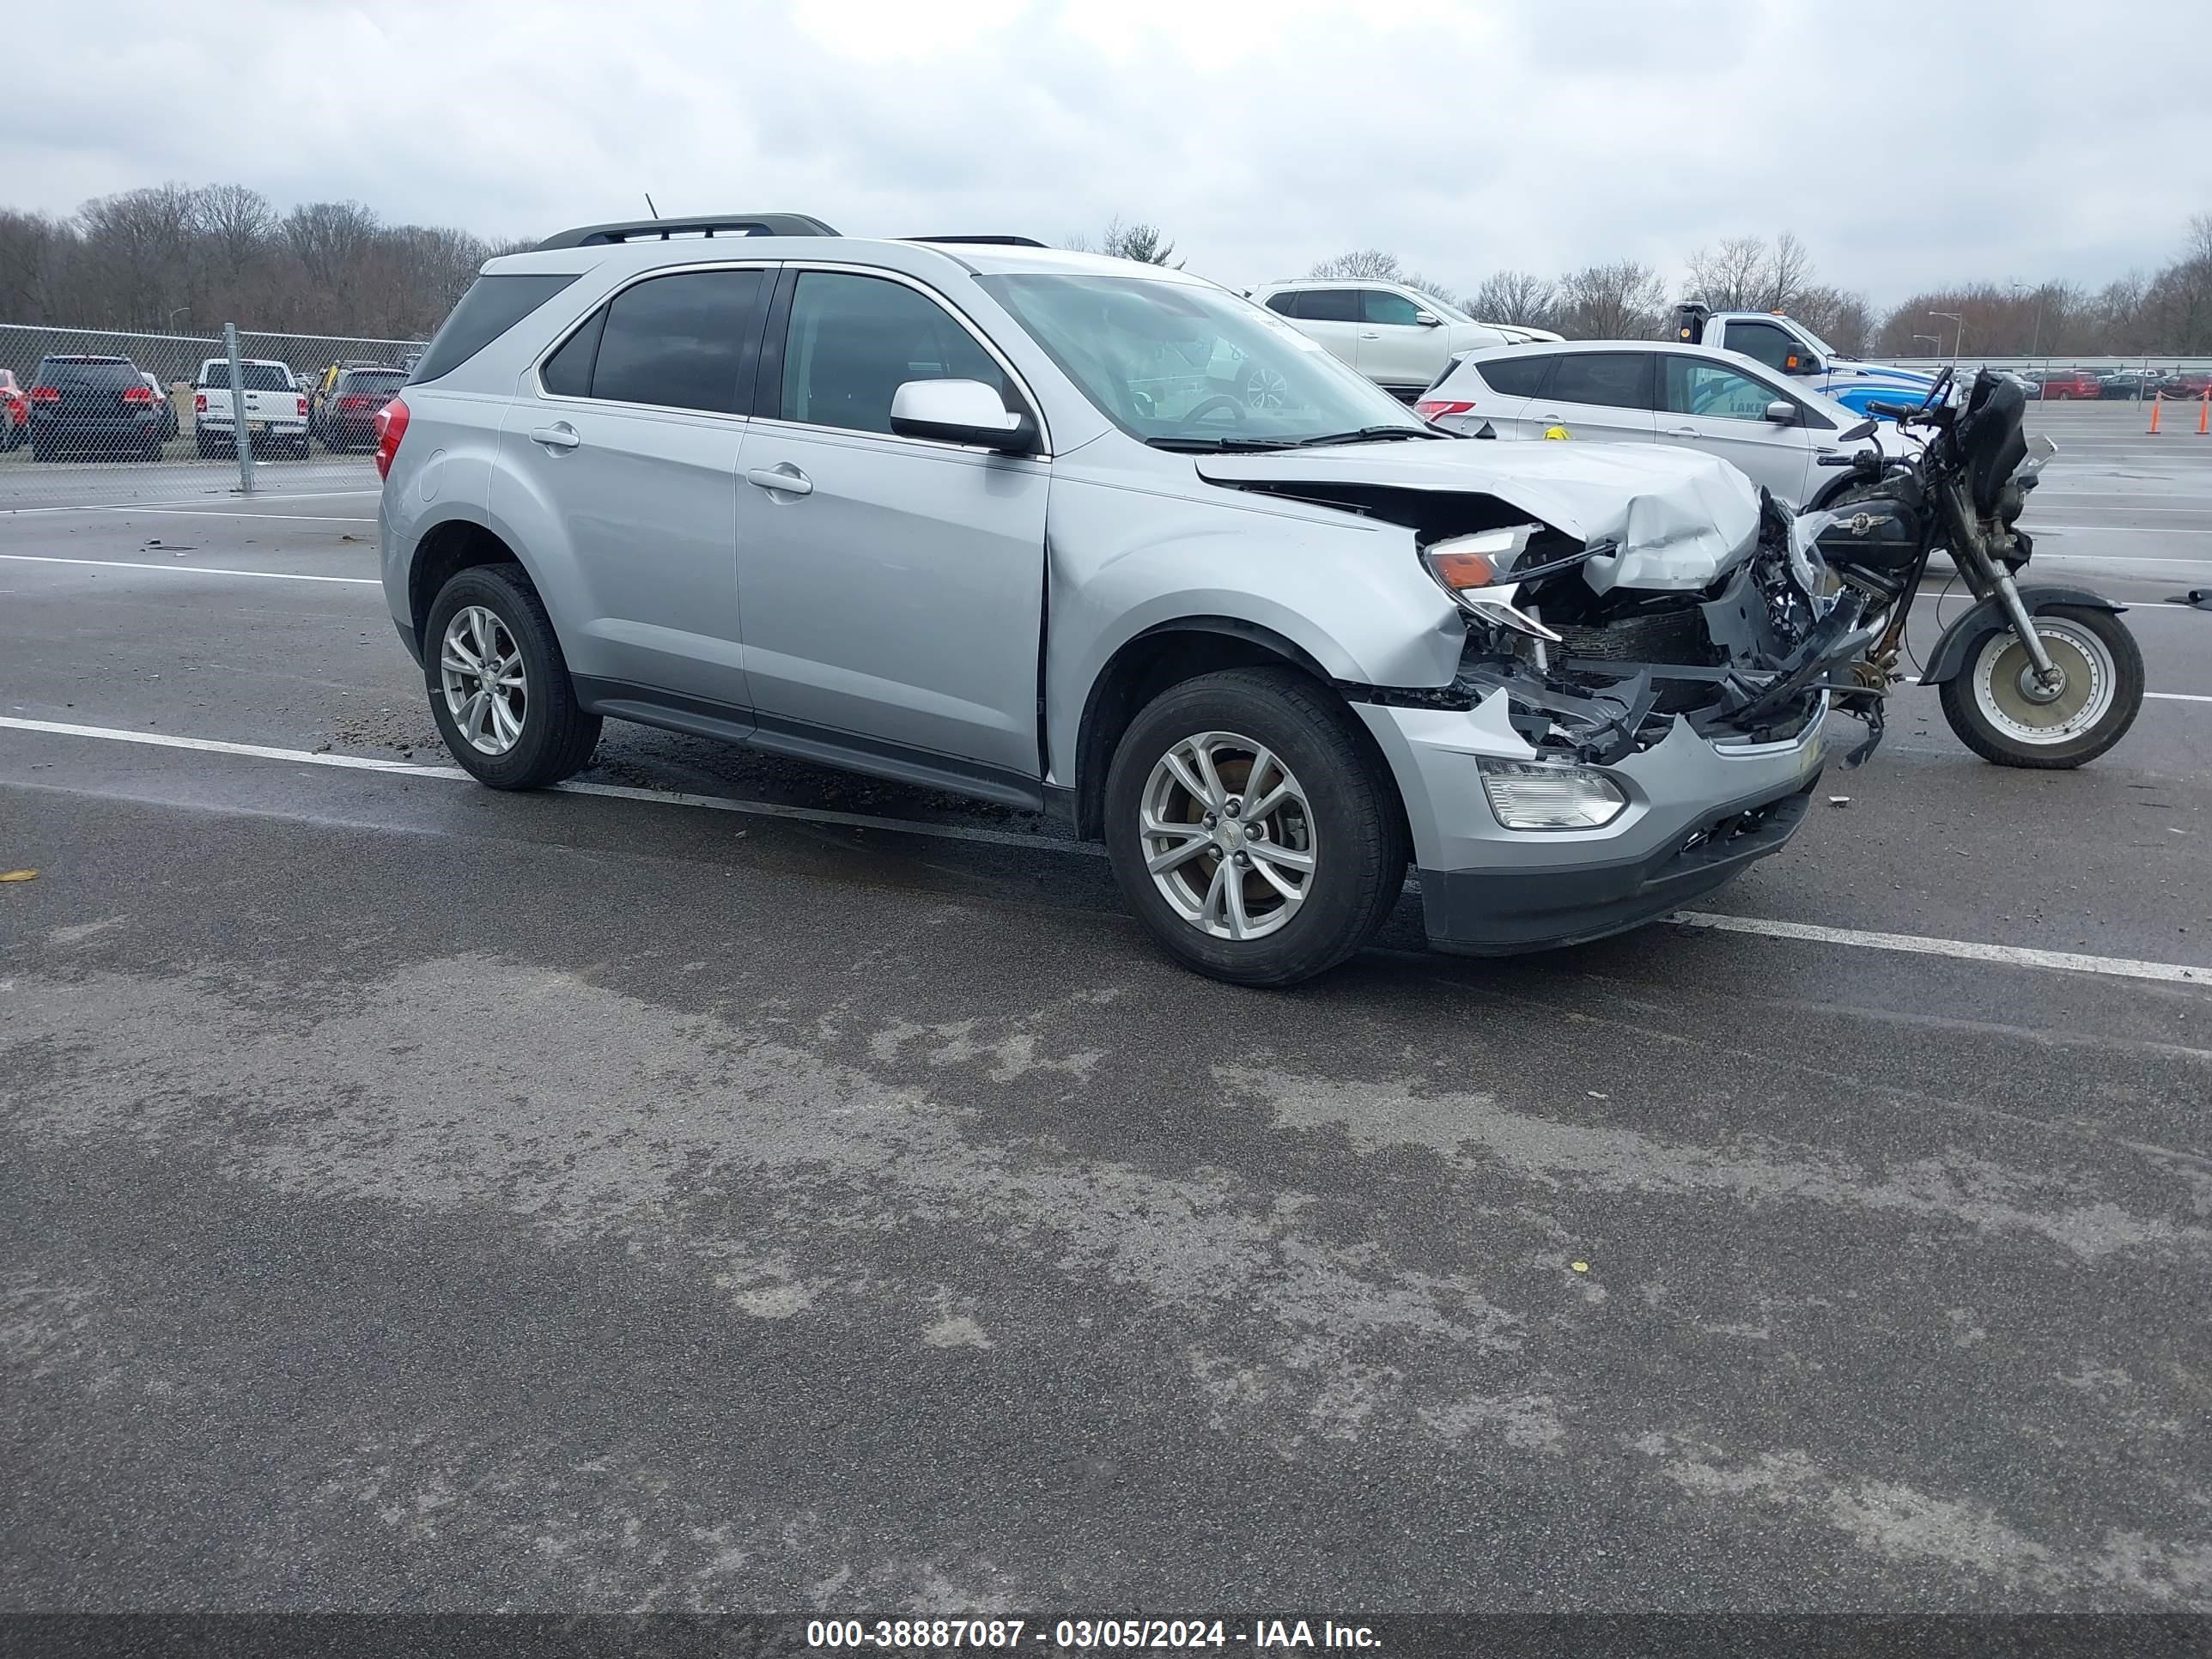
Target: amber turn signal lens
column 1457, row 570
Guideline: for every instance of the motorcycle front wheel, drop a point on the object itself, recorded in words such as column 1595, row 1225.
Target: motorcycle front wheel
column 2004, row 714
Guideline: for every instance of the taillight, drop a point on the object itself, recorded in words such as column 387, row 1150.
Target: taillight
column 45, row 394
column 1435, row 409
column 353, row 403
column 390, row 428
column 199, row 402
column 138, row 394
column 303, row 406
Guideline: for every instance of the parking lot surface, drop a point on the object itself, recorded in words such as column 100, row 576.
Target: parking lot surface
column 726, row 1184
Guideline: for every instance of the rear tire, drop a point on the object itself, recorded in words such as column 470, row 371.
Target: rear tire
column 1992, row 716
column 556, row 737
column 1337, row 811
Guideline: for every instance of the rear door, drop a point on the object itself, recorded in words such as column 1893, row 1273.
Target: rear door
column 1722, row 411
column 621, row 445
column 1602, row 396
column 894, row 587
column 1509, row 386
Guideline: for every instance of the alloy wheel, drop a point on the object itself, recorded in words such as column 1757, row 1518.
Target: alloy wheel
column 1227, row 835
column 2011, row 699
column 480, row 669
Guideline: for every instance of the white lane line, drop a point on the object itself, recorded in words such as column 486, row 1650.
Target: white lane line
column 203, row 503
column 1964, row 949
column 2178, row 696
column 2126, row 529
column 2017, row 955
column 282, row 518
column 612, row 790
column 190, row 569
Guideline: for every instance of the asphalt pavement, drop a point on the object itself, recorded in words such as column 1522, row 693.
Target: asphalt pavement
column 728, row 1184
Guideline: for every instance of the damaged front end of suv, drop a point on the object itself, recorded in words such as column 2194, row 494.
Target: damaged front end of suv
column 1642, row 691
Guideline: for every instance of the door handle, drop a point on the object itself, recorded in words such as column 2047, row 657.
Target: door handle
column 561, row 436
column 1368, row 334
column 782, row 479
column 1681, row 432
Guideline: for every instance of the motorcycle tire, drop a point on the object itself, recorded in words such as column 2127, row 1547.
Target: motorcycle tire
column 1993, row 715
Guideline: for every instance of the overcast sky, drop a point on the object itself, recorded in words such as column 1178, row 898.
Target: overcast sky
column 1908, row 145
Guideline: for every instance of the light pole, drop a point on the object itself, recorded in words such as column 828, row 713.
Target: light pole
column 181, row 311
column 1932, row 340
column 2035, row 350
column 1957, row 340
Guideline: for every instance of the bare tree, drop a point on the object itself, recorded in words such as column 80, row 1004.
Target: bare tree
column 1515, row 296
column 1730, row 278
column 1624, row 301
column 1136, row 239
column 1365, row 263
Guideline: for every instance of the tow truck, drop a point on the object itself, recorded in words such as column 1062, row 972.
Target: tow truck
column 1781, row 342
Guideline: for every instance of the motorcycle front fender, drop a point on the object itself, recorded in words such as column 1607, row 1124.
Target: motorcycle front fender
column 1956, row 648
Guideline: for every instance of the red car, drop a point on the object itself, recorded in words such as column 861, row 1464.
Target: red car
column 2191, row 383
column 15, row 411
column 2071, row 383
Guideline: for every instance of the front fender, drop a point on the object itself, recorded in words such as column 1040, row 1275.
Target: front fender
column 1963, row 637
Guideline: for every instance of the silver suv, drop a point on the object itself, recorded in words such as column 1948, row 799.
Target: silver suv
column 979, row 515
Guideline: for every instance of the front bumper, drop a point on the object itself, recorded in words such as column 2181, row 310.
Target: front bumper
column 1698, row 814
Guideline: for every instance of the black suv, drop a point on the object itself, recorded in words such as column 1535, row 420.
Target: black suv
column 101, row 406
column 346, row 416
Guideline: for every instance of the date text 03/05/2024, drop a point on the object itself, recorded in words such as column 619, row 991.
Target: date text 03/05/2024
column 901, row 1635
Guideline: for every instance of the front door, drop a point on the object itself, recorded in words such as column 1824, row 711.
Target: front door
column 621, row 456
column 1711, row 407
column 1331, row 315
column 1602, row 396
column 1395, row 350
column 894, row 588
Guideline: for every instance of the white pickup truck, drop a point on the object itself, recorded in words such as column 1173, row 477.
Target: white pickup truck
column 275, row 408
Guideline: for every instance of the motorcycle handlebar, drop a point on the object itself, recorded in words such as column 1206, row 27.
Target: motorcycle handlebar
column 1893, row 411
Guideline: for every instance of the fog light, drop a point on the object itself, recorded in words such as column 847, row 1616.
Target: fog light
column 1531, row 795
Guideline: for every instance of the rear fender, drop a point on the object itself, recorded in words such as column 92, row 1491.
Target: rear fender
column 1956, row 648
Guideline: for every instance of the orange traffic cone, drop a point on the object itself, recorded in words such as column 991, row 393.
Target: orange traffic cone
column 2204, row 413
column 2156, row 400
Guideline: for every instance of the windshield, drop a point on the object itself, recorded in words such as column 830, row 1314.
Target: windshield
column 1446, row 309
column 1173, row 363
column 1817, row 343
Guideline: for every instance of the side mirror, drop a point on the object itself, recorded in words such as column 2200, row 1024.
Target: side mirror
column 1802, row 362
column 961, row 412
column 1428, row 319
column 1781, row 412
column 1863, row 430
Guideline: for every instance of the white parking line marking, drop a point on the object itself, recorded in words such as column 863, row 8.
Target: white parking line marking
column 282, row 518
column 1964, row 949
column 2017, row 955
column 612, row 790
column 2178, row 696
column 2125, row 529
column 203, row 503
column 192, row 569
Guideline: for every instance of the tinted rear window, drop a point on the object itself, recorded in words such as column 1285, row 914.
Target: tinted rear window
column 1515, row 377
column 112, row 377
column 673, row 340
column 260, row 376
column 492, row 305
column 374, row 380
column 1610, row 380
column 1329, row 305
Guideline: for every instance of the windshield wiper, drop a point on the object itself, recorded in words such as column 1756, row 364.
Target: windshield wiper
column 1219, row 446
column 1367, row 434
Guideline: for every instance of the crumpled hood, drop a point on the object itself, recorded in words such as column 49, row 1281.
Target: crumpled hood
column 1681, row 520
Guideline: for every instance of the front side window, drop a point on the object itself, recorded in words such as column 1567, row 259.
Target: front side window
column 1709, row 390
column 1769, row 344
column 1183, row 364
column 674, row 341
column 1610, row 380
column 854, row 341
column 1379, row 305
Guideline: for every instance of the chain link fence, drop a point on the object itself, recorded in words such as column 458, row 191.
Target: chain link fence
column 95, row 417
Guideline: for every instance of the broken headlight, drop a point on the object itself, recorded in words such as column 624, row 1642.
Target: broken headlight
column 1533, row 795
column 1482, row 571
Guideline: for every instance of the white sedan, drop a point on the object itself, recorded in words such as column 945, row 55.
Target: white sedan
column 1775, row 428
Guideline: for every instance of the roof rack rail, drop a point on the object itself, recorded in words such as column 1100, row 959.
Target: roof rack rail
column 993, row 241
column 724, row 224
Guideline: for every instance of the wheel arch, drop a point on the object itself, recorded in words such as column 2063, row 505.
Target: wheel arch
column 1956, row 646
column 445, row 548
column 1166, row 655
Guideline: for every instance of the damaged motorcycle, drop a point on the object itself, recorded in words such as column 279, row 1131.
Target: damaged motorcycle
column 2042, row 676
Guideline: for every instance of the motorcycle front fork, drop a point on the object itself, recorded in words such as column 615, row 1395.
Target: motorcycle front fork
column 1986, row 575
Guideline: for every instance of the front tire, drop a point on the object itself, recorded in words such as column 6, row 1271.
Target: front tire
column 1995, row 707
column 499, row 683
column 1264, row 891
